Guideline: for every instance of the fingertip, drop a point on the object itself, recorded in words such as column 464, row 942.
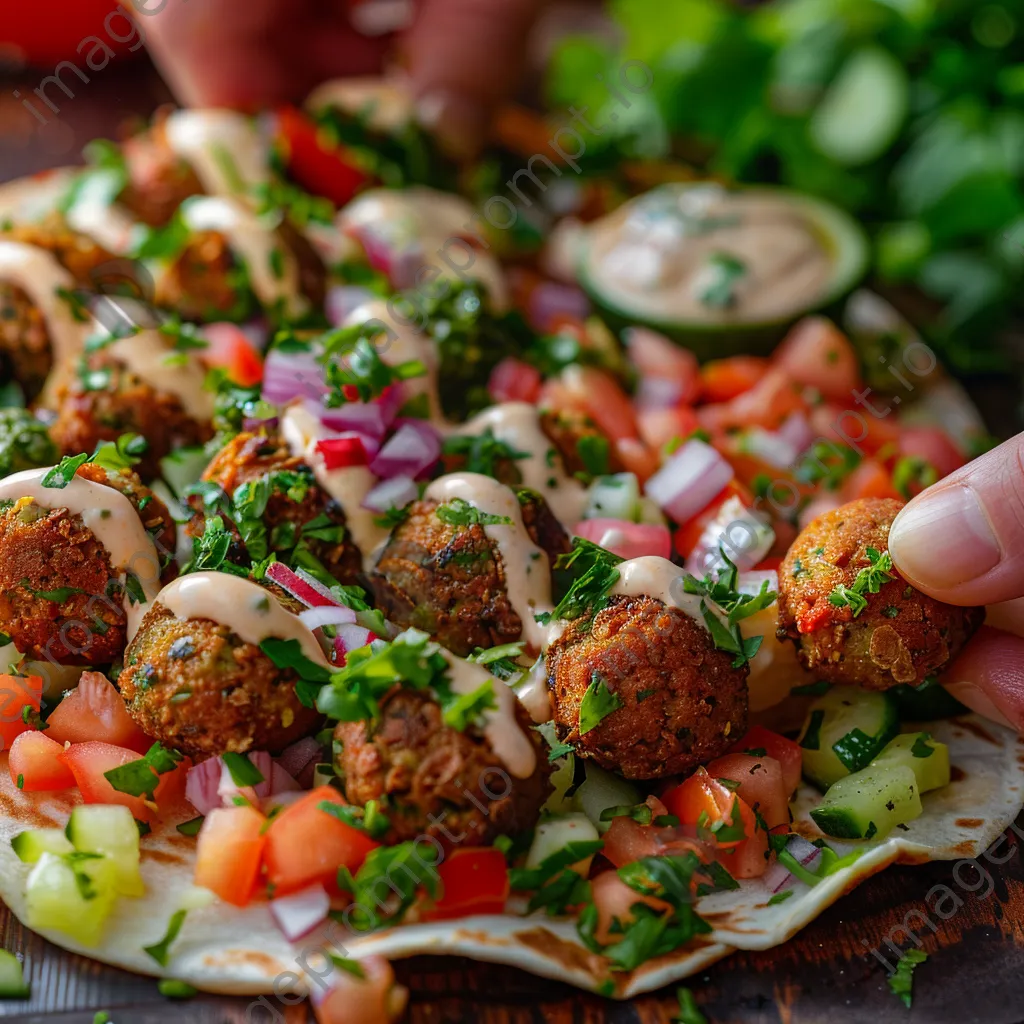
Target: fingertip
column 988, row 676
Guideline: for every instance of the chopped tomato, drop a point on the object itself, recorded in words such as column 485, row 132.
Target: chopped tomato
column 785, row 751
column 722, row 380
column 614, row 901
column 933, row 446
column 373, row 998
column 473, row 881
column 759, row 782
column 229, row 348
column 95, row 710
column 654, row 355
column 88, row 763
column 315, row 162
column 766, row 405
column 306, row 845
column 600, row 395
column 512, row 380
column 637, row 458
column 627, row 840
column 769, row 564
column 750, row 859
column 688, row 535
column 659, row 426
column 341, row 452
column 869, row 480
column 36, row 763
column 859, row 428
column 229, row 851
column 16, row 694
column 817, row 354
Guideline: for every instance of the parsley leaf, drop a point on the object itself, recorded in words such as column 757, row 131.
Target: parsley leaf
column 459, row 512
column 870, row 580
column 124, row 453
column 921, row 747
column 593, row 451
column 58, row 595
column 779, row 897
column 369, row 819
column 288, row 654
column 555, row 886
column 901, row 981
column 721, row 273
column 597, row 704
column 461, row 710
column 243, row 772
column 592, row 573
column 481, row 453
column 689, row 1012
column 389, row 880
column 160, row 951
column 63, row 473
column 142, row 776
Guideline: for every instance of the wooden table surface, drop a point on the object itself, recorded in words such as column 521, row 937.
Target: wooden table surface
column 976, row 959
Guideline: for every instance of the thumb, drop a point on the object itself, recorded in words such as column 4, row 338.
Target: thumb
column 962, row 541
column 465, row 57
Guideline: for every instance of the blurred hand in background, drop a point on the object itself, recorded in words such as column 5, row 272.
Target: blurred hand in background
column 463, row 56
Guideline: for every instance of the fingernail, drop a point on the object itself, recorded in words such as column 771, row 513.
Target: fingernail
column 456, row 122
column 944, row 539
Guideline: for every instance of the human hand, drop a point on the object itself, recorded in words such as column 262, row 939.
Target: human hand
column 962, row 541
column 464, row 56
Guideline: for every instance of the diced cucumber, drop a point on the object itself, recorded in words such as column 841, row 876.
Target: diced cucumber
column 555, row 833
column 928, row 759
column 602, row 790
column 110, row 829
column 12, row 977
column 845, row 728
column 649, row 511
column 925, row 703
column 31, row 845
column 562, row 779
column 182, row 467
column 613, row 497
column 869, row 804
column 71, row 896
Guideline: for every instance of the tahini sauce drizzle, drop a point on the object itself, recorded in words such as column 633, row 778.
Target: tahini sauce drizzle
column 526, row 567
column 249, row 611
column 223, row 147
column 657, row 577
column 348, row 486
column 113, row 521
column 501, row 727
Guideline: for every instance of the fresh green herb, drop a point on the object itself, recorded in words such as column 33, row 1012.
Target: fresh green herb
column 301, row 207
column 812, row 735
column 870, row 580
column 588, row 572
column 353, row 967
column 287, row 654
column 891, row 612
column 392, row 518
column 827, row 464
column 165, row 243
column 481, row 453
column 243, row 772
column 855, row 749
column 779, row 897
column 689, row 1012
column 901, row 981
column 597, row 704
column 558, row 750
column 192, row 826
column 843, row 596
column 461, row 710
column 141, row 777
column 353, row 368
column 160, row 951
column 31, row 717
column 369, row 819
column 133, row 588
column 720, row 880
column 913, row 474
column 459, row 512
column 171, row 988
column 724, row 593
column 25, row 442
column 210, row 549
column 640, row 813
column 555, row 886
column 58, row 596
column 63, row 473
column 77, row 303
column 101, row 1017
column 593, row 451
column 501, row 661
column 387, row 883
column 122, row 454
column 722, row 273
column 921, row 746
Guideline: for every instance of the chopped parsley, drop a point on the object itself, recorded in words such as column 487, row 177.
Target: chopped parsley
column 122, row 454
column 597, row 704
column 640, row 813
column 243, row 772
column 812, row 734
column 870, row 580
column 901, row 981
column 288, row 654
column 481, row 453
column 386, row 885
column 369, row 819
column 160, row 951
column 689, row 1012
column 722, row 272
column 921, row 747
column 459, row 512
column 58, row 595
column 192, row 826
column 501, row 661
column 555, row 886
column 587, row 573
column 593, row 451
column 353, row 368
column 779, row 897
column 912, row 474
column 63, row 473
column 461, row 710
column 392, row 518
column 828, row 464
column 856, row 749
column 142, row 776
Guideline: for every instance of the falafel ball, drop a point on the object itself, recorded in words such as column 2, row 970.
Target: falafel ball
column 435, row 780
column 569, row 429
column 253, row 457
column 57, row 599
column 196, row 686
column 677, row 700
column 448, row 580
column 26, row 351
column 854, row 619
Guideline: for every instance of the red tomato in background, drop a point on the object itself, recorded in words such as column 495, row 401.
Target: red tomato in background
column 786, row 752
column 229, row 348
column 16, row 694
column 48, row 35
column 473, row 881
column 934, row 446
column 37, row 762
column 722, row 380
column 94, row 710
column 817, row 354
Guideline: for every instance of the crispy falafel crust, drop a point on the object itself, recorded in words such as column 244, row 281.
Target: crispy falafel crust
column 26, row 351
column 197, row 687
column 683, row 703
column 903, row 636
column 433, row 779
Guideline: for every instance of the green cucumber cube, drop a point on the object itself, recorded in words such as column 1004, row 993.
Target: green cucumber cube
column 71, row 896
column 31, row 845
column 928, row 759
column 109, row 829
column 869, row 804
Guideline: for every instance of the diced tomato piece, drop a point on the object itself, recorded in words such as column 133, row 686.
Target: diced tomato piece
column 637, row 458
column 654, row 355
column 228, row 347
column 869, row 480
column 867, row 433
column 659, row 426
column 688, row 535
column 769, row 564
column 306, row 845
column 229, row 851
column 934, row 446
column 36, row 763
column 16, row 694
column 373, row 998
column 760, row 783
column 785, row 751
column 766, row 405
column 750, row 858
column 603, row 399
column 625, row 539
column 614, row 901
column 817, row 354
column 627, row 840
column 95, row 710
column 473, row 881
column 512, row 380
column 721, row 380
column 339, row 452
column 315, row 162
column 701, row 795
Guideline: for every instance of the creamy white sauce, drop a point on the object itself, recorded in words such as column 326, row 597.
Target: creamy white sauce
column 112, row 519
column 38, row 274
column 429, row 227
column 655, row 255
column 384, row 105
column 518, row 425
column 146, row 354
column 534, row 693
column 347, row 486
column 501, row 727
column 223, row 147
column 272, row 267
column 526, row 568
column 96, row 214
column 657, row 577
column 244, row 607
column 28, row 200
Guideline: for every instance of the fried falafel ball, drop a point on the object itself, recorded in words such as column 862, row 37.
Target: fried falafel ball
column 852, row 616
column 449, row 581
column 571, row 432
column 295, row 500
column 435, row 780
column 57, row 601
column 198, row 687
column 678, row 700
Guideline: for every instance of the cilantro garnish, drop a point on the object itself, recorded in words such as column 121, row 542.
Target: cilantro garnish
column 481, row 453
column 779, row 897
column 63, row 473
column 640, row 813
column 369, row 819
column 812, row 735
column 593, row 451
column 461, row 710
column 921, row 747
column 141, row 777
column 31, row 717
column 912, row 471
column 901, row 981
column 124, row 453
column 160, row 951
column 591, row 575
column 389, row 880
column 558, row 750
column 243, row 772
column 192, row 826
column 827, row 463
column 554, row 884
column 210, row 549
column 870, row 580
column 689, row 1012
column 58, row 595
column 392, row 518
column 597, row 704
column 501, row 661
column 856, row 749
column 459, row 512
column 723, row 272
column 353, row 368
column 288, row 654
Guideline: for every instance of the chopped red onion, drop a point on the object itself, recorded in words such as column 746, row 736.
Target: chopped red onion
column 742, row 534
column 688, row 482
column 806, row 854
column 659, row 393
column 342, row 299
column 796, row 431
column 202, row 783
column 291, row 375
column 351, row 638
column 253, row 423
column 281, row 781
column 228, row 789
column 412, row 449
column 327, row 615
column 302, row 752
column 394, row 493
column 305, row 588
column 770, row 447
column 300, row 912
column 550, row 302
column 368, row 419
